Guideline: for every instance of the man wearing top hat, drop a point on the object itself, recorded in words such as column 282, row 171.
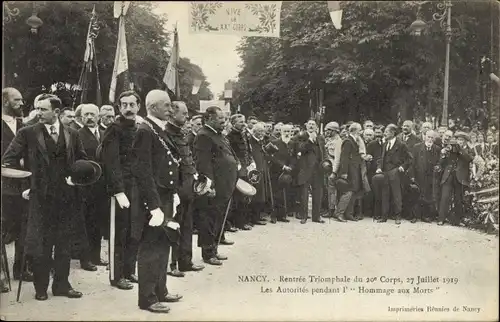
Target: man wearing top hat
column 455, row 180
column 49, row 150
column 156, row 167
column 96, row 203
column 216, row 161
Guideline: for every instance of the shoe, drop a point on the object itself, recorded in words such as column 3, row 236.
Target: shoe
column 41, row 296
column 132, row 278
column 88, row 266
column 172, row 298
column 157, row 308
column 358, row 218
column 213, row 261
column 247, row 227
column 70, row 293
column 273, row 220
column 340, row 218
column 319, row 221
column 382, row 220
column 290, row 214
column 4, row 288
column 427, row 220
column 27, row 276
column 123, row 284
column 176, row 273
column 221, row 257
column 398, row 221
column 260, row 223
column 191, row 268
column 283, row 219
column 100, row 262
column 226, row 242
column 107, row 267
column 303, row 221
column 441, row 223
column 350, row 217
column 195, row 231
column 232, row 229
column 414, row 220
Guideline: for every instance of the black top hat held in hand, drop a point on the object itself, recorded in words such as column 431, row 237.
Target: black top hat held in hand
column 85, row 172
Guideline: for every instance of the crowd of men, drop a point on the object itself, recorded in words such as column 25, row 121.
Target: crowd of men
column 166, row 177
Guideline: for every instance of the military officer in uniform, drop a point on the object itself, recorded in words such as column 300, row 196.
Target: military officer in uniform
column 182, row 254
column 155, row 167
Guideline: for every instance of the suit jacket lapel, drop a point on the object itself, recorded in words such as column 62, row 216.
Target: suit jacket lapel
column 41, row 141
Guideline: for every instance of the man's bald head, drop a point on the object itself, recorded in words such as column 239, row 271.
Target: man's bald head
column 89, row 114
column 158, row 104
column 12, row 102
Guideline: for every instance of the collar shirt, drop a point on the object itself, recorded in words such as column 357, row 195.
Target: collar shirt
column 11, row 122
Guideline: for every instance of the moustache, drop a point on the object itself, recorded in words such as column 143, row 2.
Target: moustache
column 128, row 113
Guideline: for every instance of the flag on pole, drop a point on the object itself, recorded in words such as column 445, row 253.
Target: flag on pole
column 89, row 76
column 335, row 13
column 120, row 78
column 171, row 77
column 196, row 86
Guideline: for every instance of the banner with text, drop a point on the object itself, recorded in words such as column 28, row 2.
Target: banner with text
column 249, row 18
column 221, row 104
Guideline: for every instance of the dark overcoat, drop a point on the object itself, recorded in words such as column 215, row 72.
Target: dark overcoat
column 30, row 145
column 350, row 164
column 261, row 162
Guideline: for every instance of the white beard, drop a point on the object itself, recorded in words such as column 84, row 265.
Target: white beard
column 286, row 140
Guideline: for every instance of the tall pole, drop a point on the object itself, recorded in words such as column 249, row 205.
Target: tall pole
column 444, row 118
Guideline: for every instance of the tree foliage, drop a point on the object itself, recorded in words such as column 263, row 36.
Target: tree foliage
column 371, row 68
column 56, row 52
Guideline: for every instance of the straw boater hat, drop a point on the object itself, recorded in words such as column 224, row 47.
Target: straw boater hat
column 463, row 135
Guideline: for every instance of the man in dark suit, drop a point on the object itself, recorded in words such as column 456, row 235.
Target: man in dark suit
column 77, row 122
column 55, row 220
column 95, row 200
column 306, row 162
column 395, row 160
column 182, row 254
column 407, row 136
column 216, row 161
column 14, row 207
column 350, row 170
column 373, row 200
column 423, row 172
column 156, row 167
column 262, row 200
column 196, row 124
column 117, row 158
column 280, row 163
column 106, row 117
column 455, row 162
column 67, row 116
column 240, row 213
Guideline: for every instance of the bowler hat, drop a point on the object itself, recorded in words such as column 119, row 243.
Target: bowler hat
column 327, row 166
column 85, row 172
column 285, row 178
column 245, row 188
column 378, row 178
column 342, row 185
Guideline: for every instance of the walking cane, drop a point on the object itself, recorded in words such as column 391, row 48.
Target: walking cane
column 112, row 240
column 23, row 260
column 6, row 264
column 224, row 222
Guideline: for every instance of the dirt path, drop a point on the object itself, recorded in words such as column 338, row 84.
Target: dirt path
column 364, row 249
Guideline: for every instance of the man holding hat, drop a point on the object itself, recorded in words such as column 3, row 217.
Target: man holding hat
column 14, row 207
column 280, row 168
column 156, row 168
column 216, row 161
column 54, row 218
column 455, row 180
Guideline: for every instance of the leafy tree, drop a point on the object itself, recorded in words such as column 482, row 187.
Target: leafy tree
column 56, row 52
column 371, row 68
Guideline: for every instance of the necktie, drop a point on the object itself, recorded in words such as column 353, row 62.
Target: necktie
column 388, row 145
column 53, row 133
column 97, row 134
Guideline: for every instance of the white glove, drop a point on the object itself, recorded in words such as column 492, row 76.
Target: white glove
column 157, row 217
column 401, row 169
column 69, row 182
column 378, row 171
column 21, row 162
column 26, row 194
column 177, row 201
column 239, row 167
column 122, row 200
column 173, row 225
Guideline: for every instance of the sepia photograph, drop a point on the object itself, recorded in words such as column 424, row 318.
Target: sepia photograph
column 250, row 161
